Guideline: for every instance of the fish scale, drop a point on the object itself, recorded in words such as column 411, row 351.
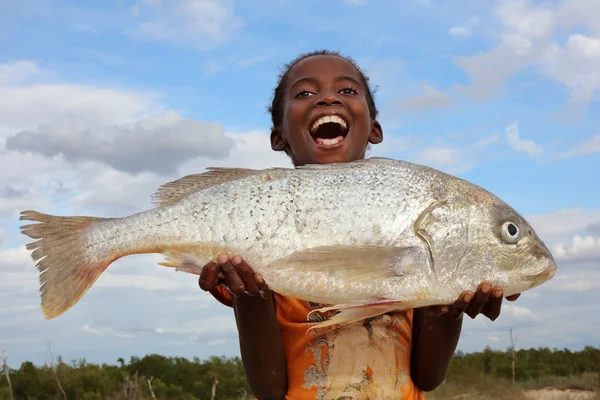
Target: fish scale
column 365, row 237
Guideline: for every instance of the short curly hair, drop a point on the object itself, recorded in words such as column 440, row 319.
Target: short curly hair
column 276, row 108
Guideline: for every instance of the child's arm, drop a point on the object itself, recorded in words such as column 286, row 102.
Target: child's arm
column 261, row 346
column 260, row 340
column 436, row 331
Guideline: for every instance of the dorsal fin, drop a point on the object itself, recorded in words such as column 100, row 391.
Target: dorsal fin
column 349, row 164
column 177, row 190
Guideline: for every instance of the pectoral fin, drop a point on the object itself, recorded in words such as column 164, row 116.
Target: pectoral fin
column 354, row 263
column 350, row 313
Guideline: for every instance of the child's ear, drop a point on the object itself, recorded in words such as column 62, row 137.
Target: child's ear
column 376, row 135
column 278, row 142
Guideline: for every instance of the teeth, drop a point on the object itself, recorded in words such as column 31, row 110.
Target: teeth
column 326, row 119
column 329, row 142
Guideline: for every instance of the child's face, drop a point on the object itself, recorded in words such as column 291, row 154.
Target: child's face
column 324, row 86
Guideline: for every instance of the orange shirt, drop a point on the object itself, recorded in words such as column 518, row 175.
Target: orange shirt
column 358, row 361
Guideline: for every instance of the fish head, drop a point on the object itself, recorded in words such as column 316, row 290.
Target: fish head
column 519, row 255
column 473, row 236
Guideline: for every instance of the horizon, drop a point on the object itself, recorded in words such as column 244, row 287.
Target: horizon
column 100, row 104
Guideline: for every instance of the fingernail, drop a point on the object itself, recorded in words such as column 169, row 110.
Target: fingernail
column 468, row 297
column 443, row 310
column 498, row 293
column 237, row 260
column 259, row 278
column 486, row 288
column 222, row 259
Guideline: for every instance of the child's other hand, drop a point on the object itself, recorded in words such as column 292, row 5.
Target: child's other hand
column 235, row 274
column 487, row 300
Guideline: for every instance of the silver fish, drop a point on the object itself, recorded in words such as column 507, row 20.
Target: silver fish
column 366, row 237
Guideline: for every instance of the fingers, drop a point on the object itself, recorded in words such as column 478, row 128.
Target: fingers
column 458, row 308
column 235, row 274
column 209, row 276
column 437, row 311
column 247, row 275
column 513, row 297
column 487, row 300
column 482, row 295
column 261, row 282
column 235, row 283
column 493, row 306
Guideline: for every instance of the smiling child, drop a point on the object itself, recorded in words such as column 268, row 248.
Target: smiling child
column 323, row 112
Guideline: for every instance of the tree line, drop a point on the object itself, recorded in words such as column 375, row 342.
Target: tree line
column 177, row 378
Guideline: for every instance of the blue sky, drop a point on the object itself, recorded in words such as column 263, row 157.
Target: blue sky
column 502, row 93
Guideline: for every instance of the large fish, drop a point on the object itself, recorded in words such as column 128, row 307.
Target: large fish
column 365, row 237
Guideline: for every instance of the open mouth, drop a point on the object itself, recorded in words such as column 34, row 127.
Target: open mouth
column 540, row 277
column 329, row 130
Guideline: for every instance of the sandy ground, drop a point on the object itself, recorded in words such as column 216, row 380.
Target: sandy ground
column 555, row 394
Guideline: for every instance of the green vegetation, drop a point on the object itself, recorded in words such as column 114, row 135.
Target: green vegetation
column 488, row 374
column 481, row 375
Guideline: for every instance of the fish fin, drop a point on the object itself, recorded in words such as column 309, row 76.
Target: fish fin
column 350, row 313
column 177, row 190
column 345, row 165
column 61, row 258
column 186, row 260
column 354, row 263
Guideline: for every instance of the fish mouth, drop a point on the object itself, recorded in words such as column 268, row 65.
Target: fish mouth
column 545, row 275
column 329, row 130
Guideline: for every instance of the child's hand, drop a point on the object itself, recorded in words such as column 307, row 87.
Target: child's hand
column 235, row 274
column 486, row 300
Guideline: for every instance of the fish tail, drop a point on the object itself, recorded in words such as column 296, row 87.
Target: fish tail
column 68, row 266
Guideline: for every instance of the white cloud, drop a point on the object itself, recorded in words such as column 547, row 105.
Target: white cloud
column 145, row 282
column 17, row 71
column 431, row 98
column 27, row 104
column 158, row 143
column 460, row 31
column 511, row 315
column 562, row 225
column 454, row 160
column 591, row 146
column 567, row 234
column 577, row 66
column 439, row 155
column 578, row 281
column 525, row 19
column 593, row 227
column 522, row 145
column 13, row 259
column 197, row 328
column 464, row 29
column 105, row 331
column 515, row 312
column 493, row 339
column 581, row 248
column 527, row 40
column 199, row 23
column 580, row 13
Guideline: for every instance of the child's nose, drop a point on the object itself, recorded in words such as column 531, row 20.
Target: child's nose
column 329, row 99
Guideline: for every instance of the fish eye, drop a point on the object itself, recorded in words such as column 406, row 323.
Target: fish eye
column 510, row 231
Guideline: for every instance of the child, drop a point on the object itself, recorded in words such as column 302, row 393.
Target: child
column 395, row 356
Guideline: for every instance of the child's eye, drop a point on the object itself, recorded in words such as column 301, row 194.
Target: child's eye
column 302, row 93
column 349, row 90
